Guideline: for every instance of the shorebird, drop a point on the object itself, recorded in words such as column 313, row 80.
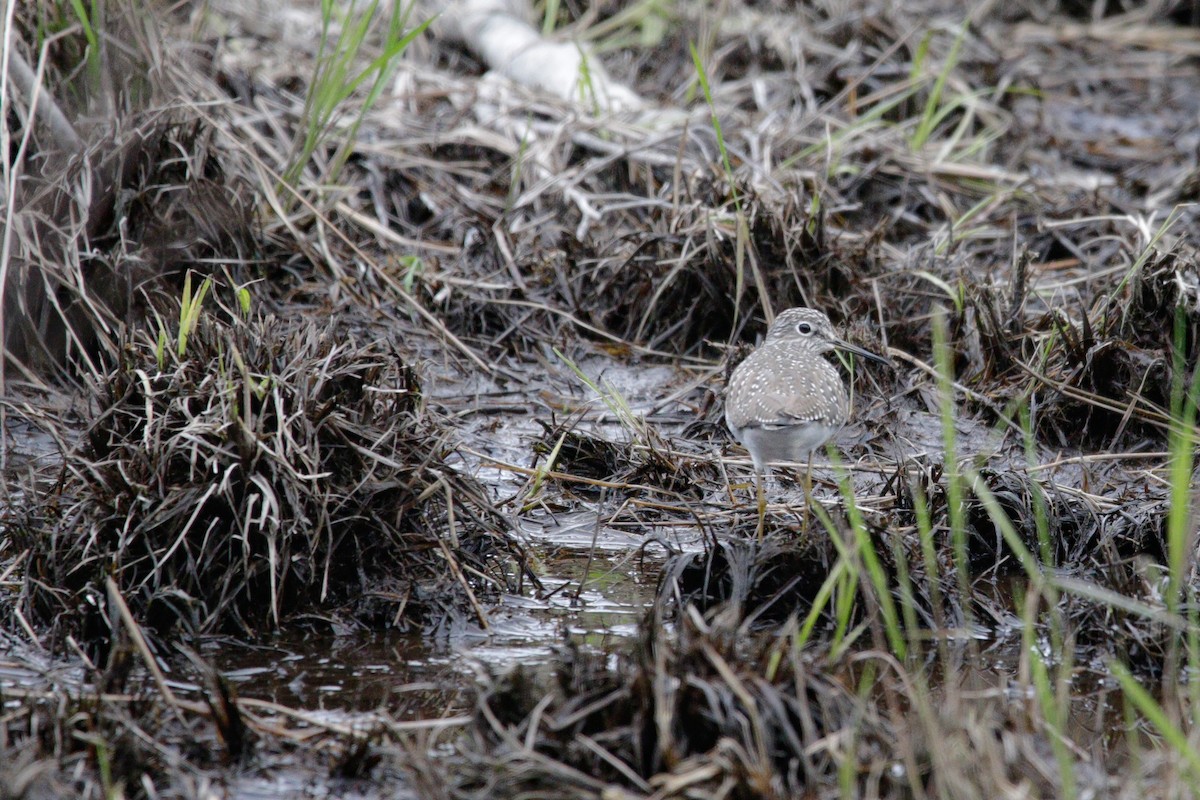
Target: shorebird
column 786, row 399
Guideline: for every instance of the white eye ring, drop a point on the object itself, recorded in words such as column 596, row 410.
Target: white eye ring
column 804, row 329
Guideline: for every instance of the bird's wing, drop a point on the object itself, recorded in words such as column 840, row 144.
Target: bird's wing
column 790, row 398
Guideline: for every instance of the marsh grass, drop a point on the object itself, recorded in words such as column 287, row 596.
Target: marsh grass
column 743, row 255
column 1172, row 715
column 942, row 629
column 1162, row 721
column 858, row 592
column 950, row 464
column 338, row 74
column 612, row 398
column 1181, row 444
column 587, row 87
column 642, row 461
column 934, row 111
column 190, row 307
column 85, row 16
column 267, row 407
column 549, row 17
column 860, row 574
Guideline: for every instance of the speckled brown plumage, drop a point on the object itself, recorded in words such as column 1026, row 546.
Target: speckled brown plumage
column 785, row 400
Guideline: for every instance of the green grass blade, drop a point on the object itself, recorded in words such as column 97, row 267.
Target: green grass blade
column 930, row 116
column 1157, row 716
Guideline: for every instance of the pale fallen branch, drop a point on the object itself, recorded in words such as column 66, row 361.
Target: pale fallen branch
column 499, row 33
column 44, row 108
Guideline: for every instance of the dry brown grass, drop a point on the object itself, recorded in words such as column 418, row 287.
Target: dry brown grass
column 272, row 470
column 886, row 162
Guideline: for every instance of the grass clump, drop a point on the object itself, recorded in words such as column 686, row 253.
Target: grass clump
column 266, row 470
column 630, row 466
column 692, row 715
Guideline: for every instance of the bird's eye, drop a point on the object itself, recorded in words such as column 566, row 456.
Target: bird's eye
column 804, row 329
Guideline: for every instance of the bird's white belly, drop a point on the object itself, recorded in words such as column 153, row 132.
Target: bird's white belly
column 769, row 444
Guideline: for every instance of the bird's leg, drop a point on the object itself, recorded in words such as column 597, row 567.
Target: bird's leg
column 806, row 485
column 759, row 479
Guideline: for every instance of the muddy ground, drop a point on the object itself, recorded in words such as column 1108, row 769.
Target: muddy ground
column 365, row 437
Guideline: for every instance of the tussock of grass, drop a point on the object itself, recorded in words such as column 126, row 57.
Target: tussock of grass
column 766, row 582
column 705, row 712
column 269, row 471
column 824, row 574
column 636, row 466
column 695, row 714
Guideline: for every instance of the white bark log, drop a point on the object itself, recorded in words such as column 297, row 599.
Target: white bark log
column 501, row 35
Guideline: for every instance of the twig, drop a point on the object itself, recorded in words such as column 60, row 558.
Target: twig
column 139, row 642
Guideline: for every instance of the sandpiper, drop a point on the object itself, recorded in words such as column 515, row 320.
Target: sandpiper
column 785, row 399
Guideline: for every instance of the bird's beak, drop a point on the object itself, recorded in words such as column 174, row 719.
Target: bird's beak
column 858, row 351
